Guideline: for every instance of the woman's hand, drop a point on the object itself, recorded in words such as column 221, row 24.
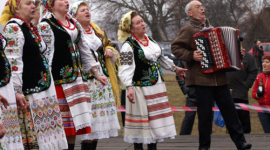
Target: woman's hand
column 4, row 101
column 181, row 72
column 108, row 53
column 130, row 95
column 102, row 79
column 20, row 101
column 2, row 130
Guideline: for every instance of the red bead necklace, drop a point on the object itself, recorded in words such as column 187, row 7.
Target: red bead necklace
column 68, row 27
column 32, row 29
column 89, row 30
column 147, row 41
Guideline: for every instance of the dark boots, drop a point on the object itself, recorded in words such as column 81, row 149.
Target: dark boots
column 138, row 146
column 152, row 146
column 71, row 146
column 89, row 146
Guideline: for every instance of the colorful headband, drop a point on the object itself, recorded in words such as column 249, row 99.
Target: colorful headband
column 74, row 8
column 9, row 11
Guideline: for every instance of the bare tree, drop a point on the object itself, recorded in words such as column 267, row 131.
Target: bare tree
column 158, row 14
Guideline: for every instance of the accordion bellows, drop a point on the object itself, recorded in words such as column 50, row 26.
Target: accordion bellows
column 221, row 49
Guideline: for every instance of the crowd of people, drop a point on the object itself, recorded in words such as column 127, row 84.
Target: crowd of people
column 60, row 76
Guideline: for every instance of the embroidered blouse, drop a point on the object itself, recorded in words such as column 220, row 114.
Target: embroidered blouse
column 47, row 34
column 152, row 52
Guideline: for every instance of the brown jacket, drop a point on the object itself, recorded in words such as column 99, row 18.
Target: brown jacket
column 183, row 48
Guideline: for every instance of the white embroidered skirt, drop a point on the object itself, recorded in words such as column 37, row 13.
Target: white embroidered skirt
column 150, row 119
column 12, row 139
column 105, row 122
column 47, row 120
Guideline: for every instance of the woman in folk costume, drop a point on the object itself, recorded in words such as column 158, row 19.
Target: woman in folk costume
column 149, row 117
column 41, row 123
column 70, row 60
column 105, row 122
column 12, row 139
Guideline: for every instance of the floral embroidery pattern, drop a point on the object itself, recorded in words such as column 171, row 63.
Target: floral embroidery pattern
column 27, row 128
column 6, row 79
column 14, row 64
column 12, row 42
column 66, row 71
column 12, row 29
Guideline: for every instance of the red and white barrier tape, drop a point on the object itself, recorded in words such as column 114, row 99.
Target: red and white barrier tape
column 240, row 106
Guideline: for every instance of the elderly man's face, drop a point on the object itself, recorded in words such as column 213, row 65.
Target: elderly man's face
column 196, row 10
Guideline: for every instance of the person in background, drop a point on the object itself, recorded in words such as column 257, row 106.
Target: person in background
column 35, row 20
column 188, row 121
column 258, row 53
column 240, row 82
column 208, row 87
column 261, row 92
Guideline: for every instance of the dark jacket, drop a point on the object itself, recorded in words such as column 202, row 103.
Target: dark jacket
column 183, row 48
column 188, row 91
column 241, row 81
column 257, row 51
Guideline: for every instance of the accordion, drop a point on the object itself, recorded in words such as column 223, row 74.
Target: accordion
column 221, row 49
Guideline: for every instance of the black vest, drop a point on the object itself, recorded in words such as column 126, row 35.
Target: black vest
column 5, row 71
column 36, row 74
column 66, row 62
column 146, row 71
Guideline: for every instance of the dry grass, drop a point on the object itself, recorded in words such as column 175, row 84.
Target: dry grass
column 177, row 98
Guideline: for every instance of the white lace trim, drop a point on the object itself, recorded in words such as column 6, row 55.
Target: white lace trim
column 56, row 145
column 149, row 140
column 88, row 124
column 102, row 129
column 105, row 125
column 97, row 135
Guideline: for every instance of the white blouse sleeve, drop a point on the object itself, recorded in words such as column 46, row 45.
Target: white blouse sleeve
column 14, row 52
column 166, row 62
column 127, row 68
column 87, row 57
column 47, row 35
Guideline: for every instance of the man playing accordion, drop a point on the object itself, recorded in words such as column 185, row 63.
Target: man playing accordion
column 208, row 86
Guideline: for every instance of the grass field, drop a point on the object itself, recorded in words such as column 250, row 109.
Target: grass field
column 176, row 98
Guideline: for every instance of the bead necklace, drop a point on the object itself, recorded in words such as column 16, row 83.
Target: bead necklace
column 147, row 41
column 89, row 31
column 32, row 29
column 68, row 27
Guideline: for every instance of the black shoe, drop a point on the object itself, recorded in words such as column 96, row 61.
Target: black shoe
column 206, row 148
column 152, row 146
column 245, row 146
column 94, row 145
column 138, row 146
column 86, row 146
